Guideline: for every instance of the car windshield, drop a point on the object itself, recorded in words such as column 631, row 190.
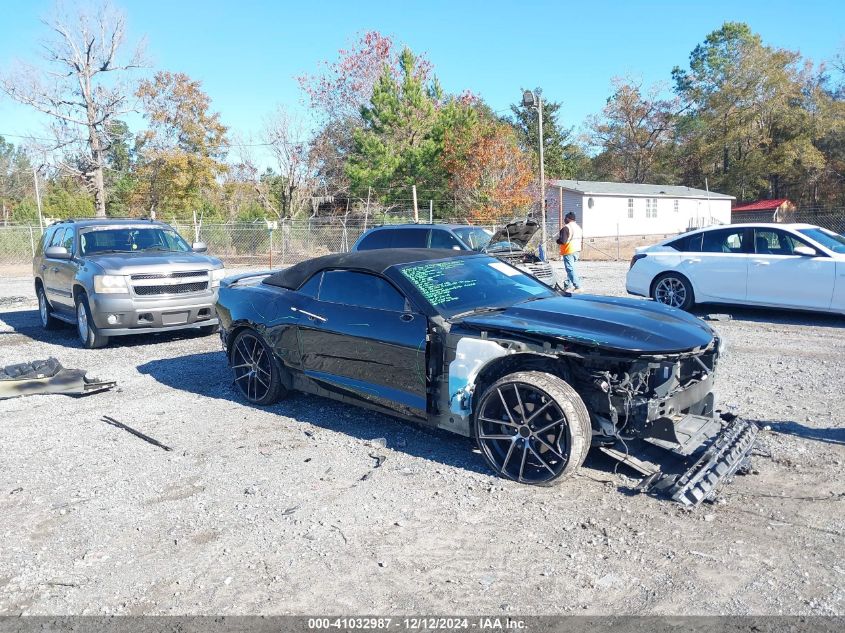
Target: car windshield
column 464, row 285
column 474, row 236
column 826, row 238
column 132, row 240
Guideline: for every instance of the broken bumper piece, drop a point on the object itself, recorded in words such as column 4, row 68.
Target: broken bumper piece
column 46, row 377
column 721, row 458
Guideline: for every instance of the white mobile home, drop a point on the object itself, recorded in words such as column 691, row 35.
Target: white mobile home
column 605, row 209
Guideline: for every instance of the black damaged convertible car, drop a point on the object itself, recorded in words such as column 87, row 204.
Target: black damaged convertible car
column 470, row 344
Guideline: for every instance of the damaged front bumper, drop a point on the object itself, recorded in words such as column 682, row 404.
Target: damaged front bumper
column 706, row 454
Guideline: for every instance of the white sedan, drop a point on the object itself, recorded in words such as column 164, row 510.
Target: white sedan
column 797, row 266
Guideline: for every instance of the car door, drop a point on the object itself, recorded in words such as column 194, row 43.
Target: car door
column 64, row 271
column 778, row 276
column 359, row 338
column 718, row 269
column 50, row 268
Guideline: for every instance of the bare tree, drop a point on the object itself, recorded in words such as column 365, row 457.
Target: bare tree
column 285, row 138
column 83, row 88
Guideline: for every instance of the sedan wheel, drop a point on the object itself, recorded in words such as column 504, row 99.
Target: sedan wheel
column 532, row 427
column 674, row 291
column 257, row 376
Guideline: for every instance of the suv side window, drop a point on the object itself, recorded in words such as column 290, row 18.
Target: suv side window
column 409, row 238
column 58, row 237
column 44, row 242
column 376, row 239
column 360, row 289
column 443, row 239
column 67, row 241
column 723, row 241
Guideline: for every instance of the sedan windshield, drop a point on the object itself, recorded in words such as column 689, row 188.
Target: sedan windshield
column 474, row 236
column 132, row 240
column 462, row 286
column 828, row 239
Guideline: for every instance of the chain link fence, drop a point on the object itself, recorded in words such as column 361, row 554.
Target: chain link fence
column 288, row 242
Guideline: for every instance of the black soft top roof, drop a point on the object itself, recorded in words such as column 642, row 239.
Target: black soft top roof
column 372, row 261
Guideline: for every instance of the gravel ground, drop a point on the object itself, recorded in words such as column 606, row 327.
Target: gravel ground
column 269, row 510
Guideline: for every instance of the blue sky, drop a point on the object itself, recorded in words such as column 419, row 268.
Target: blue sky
column 248, row 53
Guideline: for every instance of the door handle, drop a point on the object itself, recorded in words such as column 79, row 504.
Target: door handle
column 407, row 318
column 761, row 262
column 693, row 261
column 310, row 315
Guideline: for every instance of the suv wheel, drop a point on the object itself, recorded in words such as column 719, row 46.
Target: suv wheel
column 48, row 321
column 533, row 427
column 88, row 333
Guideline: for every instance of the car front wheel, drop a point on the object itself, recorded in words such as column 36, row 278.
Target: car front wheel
column 88, row 333
column 673, row 290
column 257, row 375
column 533, row 428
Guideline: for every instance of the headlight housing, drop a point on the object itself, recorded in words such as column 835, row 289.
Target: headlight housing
column 216, row 275
column 110, row 284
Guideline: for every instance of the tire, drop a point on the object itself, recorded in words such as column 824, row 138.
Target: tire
column 48, row 321
column 257, row 375
column 208, row 330
column 544, row 447
column 85, row 328
column 673, row 290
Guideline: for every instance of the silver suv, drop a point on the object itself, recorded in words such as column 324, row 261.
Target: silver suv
column 119, row 277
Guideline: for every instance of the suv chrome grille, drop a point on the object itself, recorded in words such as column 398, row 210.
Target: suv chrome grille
column 188, row 273
column 172, row 289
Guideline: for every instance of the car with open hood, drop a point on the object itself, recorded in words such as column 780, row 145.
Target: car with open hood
column 468, row 343
column 508, row 243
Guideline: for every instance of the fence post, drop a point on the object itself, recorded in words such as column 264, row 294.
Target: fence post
column 31, row 240
column 617, row 241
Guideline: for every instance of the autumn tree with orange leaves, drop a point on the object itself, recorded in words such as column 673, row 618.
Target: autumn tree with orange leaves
column 489, row 174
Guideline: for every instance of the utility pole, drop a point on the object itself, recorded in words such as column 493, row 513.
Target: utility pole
column 367, row 208
column 38, row 198
column 431, row 211
column 416, row 210
column 534, row 100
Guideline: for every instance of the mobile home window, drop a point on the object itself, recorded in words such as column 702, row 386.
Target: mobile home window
column 650, row 207
column 675, row 206
column 630, row 207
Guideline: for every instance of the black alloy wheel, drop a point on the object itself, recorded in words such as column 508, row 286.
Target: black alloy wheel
column 257, row 376
column 533, row 428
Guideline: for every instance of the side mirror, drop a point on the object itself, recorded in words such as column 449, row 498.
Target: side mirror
column 199, row 247
column 805, row 251
column 56, row 252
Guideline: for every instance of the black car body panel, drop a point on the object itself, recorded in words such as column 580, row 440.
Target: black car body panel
column 620, row 325
column 637, row 366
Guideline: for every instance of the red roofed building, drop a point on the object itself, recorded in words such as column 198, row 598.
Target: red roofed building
column 774, row 210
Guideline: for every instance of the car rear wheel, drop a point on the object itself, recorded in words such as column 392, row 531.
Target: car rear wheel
column 532, row 427
column 88, row 333
column 48, row 321
column 257, row 375
column 673, row 290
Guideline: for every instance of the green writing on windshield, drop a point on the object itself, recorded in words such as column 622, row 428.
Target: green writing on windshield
column 438, row 281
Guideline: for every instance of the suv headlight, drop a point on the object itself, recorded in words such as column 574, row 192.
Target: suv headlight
column 216, row 276
column 110, row 284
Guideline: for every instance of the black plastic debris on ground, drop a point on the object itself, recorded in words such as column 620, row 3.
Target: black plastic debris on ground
column 47, row 377
column 135, row 432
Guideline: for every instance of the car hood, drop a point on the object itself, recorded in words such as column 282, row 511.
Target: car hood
column 114, row 264
column 519, row 232
column 629, row 325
